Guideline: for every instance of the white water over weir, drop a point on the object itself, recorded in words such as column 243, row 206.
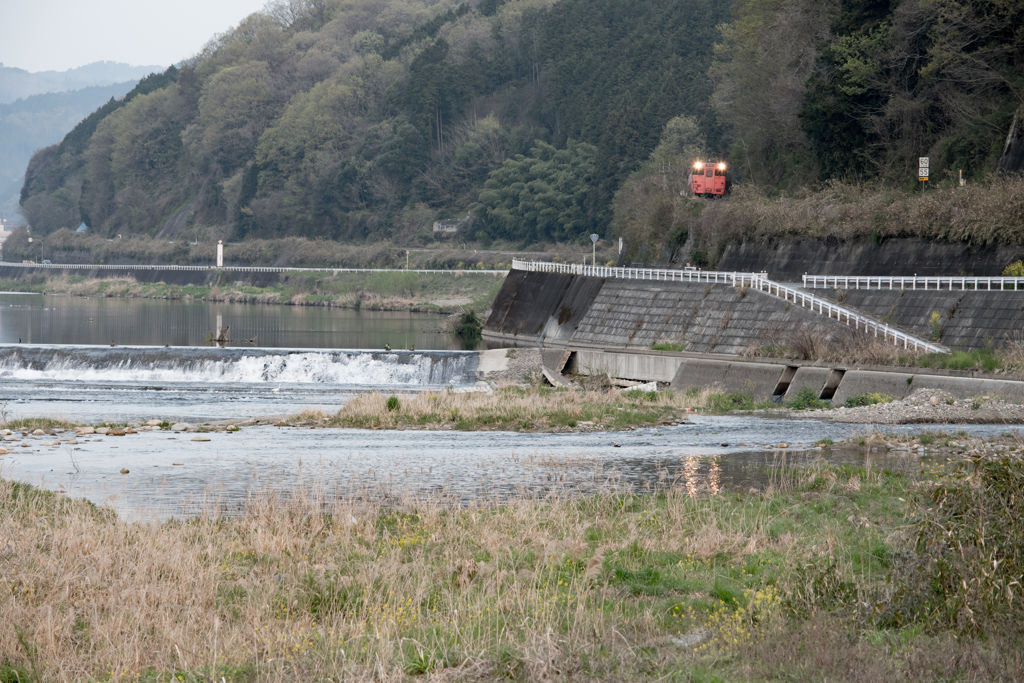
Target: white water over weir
column 201, row 365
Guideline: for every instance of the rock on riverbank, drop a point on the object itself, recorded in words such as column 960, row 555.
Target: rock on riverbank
column 928, row 406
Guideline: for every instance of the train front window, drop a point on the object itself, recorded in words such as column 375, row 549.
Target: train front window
column 709, row 173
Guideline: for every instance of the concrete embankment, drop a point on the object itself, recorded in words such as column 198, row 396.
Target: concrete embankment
column 782, row 379
column 968, row 319
column 788, row 261
column 606, row 326
column 555, row 309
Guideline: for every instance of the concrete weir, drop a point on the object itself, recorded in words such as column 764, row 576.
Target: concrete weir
column 761, row 380
column 781, row 379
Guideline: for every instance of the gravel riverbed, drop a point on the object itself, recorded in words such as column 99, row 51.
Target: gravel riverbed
column 928, row 406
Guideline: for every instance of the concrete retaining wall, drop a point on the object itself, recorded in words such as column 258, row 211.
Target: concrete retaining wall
column 788, row 261
column 970, row 319
column 596, row 317
column 860, row 382
column 757, row 379
column 705, row 318
column 962, row 387
column 525, row 303
column 762, row 380
column 579, row 311
column 636, row 366
column 575, row 303
column 812, row 378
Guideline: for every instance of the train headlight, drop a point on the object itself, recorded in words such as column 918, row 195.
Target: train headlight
column 698, row 166
column 721, row 167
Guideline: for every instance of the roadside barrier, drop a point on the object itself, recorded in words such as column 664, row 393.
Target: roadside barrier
column 985, row 284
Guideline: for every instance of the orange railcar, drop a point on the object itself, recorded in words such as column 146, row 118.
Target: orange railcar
column 709, row 179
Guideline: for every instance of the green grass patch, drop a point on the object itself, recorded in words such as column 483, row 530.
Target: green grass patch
column 979, row 359
column 33, row 423
column 667, row 346
column 866, row 400
column 807, row 399
column 726, row 403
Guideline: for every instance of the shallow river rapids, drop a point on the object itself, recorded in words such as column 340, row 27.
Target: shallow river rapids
column 171, row 475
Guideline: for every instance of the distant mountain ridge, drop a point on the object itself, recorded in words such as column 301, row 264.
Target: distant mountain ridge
column 18, row 83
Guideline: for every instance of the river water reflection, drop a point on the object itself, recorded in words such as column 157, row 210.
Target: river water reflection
column 50, row 319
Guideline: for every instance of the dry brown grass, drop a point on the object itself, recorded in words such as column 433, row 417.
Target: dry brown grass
column 980, row 213
column 302, row 585
column 514, row 408
column 827, row 344
column 986, row 212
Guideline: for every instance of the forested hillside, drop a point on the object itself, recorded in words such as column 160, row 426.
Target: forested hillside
column 830, row 104
column 39, row 120
column 363, row 120
column 373, row 118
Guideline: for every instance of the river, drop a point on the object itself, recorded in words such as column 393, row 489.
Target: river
column 299, row 363
column 54, row 319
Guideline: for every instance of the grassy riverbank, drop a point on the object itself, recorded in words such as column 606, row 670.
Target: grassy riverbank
column 816, row 576
column 390, row 291
column 513, row 408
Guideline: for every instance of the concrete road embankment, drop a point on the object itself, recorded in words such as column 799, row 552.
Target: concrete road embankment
column 610, row 325
column 969, row 319
column 578, row 311
column 788, row 261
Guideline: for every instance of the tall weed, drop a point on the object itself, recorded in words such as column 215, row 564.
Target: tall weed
column 966, row 570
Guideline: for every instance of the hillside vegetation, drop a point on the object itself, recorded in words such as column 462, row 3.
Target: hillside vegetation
column 373, row 118
column 367, row 120
column 37, row 121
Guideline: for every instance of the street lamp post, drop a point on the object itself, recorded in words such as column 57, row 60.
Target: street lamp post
column 41, row 242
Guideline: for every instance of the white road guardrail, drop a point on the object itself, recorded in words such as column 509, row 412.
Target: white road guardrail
column 661, row 274
column 248, row 269
column 758, row 281
column 914, row 282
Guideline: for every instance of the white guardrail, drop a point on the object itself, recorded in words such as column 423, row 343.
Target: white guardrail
column 992, row 284
column 667, row 275
column 758, row 281
column 247, row 269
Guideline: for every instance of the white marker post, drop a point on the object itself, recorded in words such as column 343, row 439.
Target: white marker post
column 922, row 171
column 594, row 238
column 220, row 253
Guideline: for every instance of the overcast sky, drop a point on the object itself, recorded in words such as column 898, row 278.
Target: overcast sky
column 43, row 35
